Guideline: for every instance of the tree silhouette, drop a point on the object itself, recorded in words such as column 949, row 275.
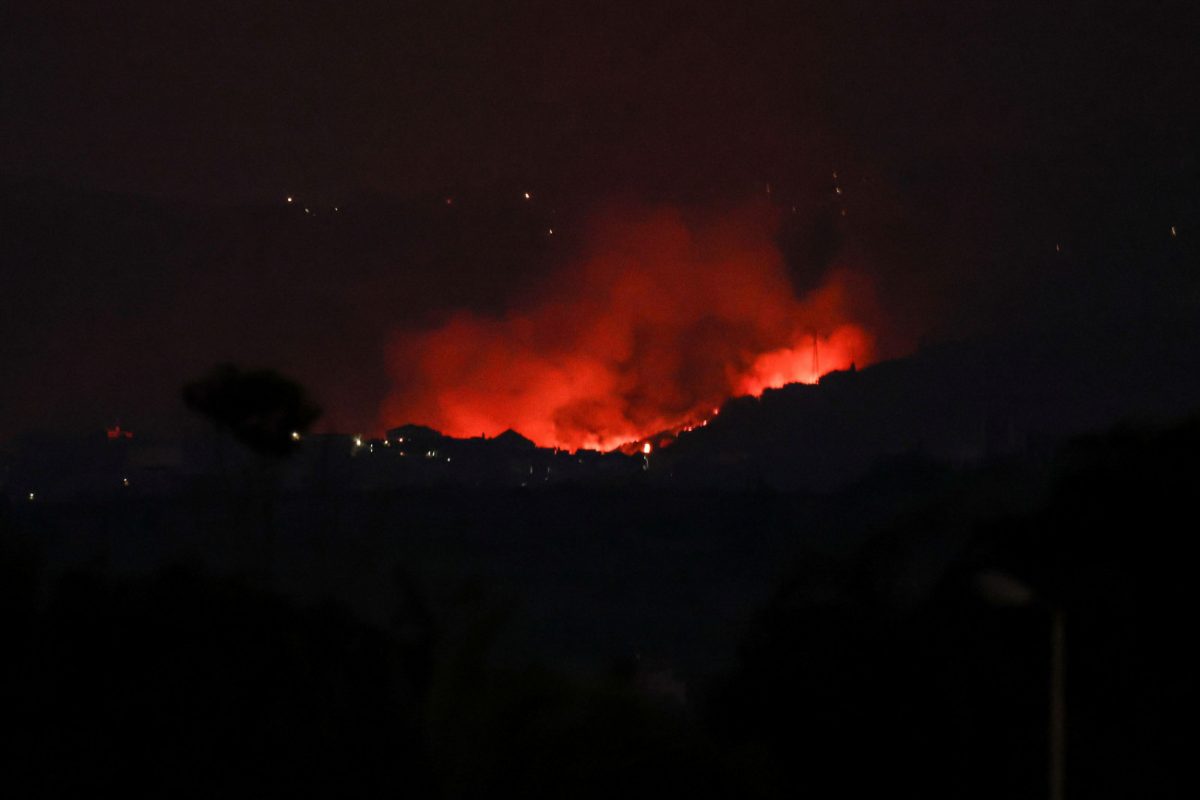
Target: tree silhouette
column 260, row 408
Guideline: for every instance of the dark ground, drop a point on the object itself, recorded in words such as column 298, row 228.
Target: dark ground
column 583, row 642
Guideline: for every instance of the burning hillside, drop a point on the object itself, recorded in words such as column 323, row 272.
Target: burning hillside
column 659, row 321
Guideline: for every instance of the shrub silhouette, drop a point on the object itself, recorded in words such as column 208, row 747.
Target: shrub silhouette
column 260, row 408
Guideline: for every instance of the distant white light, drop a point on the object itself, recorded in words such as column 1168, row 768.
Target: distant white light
column 1173, row 233
column 358, row 441
column 124, row 481
column 550, row 231
column 295, row 436
column 32, row 496
column 526, row 195
column 290, row 198
column 646, row 448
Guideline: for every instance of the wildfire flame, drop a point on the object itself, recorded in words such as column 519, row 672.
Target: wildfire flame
column 659, row 323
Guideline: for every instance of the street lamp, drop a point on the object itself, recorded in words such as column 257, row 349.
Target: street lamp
column 1002, row 589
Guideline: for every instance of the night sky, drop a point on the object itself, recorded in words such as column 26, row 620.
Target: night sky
column 1004, row 164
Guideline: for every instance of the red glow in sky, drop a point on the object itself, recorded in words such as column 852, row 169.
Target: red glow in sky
column 661, row 320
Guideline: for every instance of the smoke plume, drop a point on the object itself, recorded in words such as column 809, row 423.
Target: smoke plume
column 661, row 319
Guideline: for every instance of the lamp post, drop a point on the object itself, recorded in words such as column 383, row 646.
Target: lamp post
column 1002, row 589
column 1058, row 702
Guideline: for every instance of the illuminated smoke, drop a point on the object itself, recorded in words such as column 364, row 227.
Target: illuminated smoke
column 660, row 321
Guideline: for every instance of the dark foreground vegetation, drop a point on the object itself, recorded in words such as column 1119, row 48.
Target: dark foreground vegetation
column 895, row 640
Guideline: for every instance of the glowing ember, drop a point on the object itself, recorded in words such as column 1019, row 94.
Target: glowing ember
column 658, row 324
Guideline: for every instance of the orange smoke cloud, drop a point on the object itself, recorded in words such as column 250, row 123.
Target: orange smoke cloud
column 659, row 322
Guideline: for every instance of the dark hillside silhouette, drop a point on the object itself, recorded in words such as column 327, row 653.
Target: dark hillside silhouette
column 885, row 660
column 897, row 657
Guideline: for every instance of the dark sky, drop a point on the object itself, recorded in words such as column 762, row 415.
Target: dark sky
column 972, row 137
column 229, row 101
